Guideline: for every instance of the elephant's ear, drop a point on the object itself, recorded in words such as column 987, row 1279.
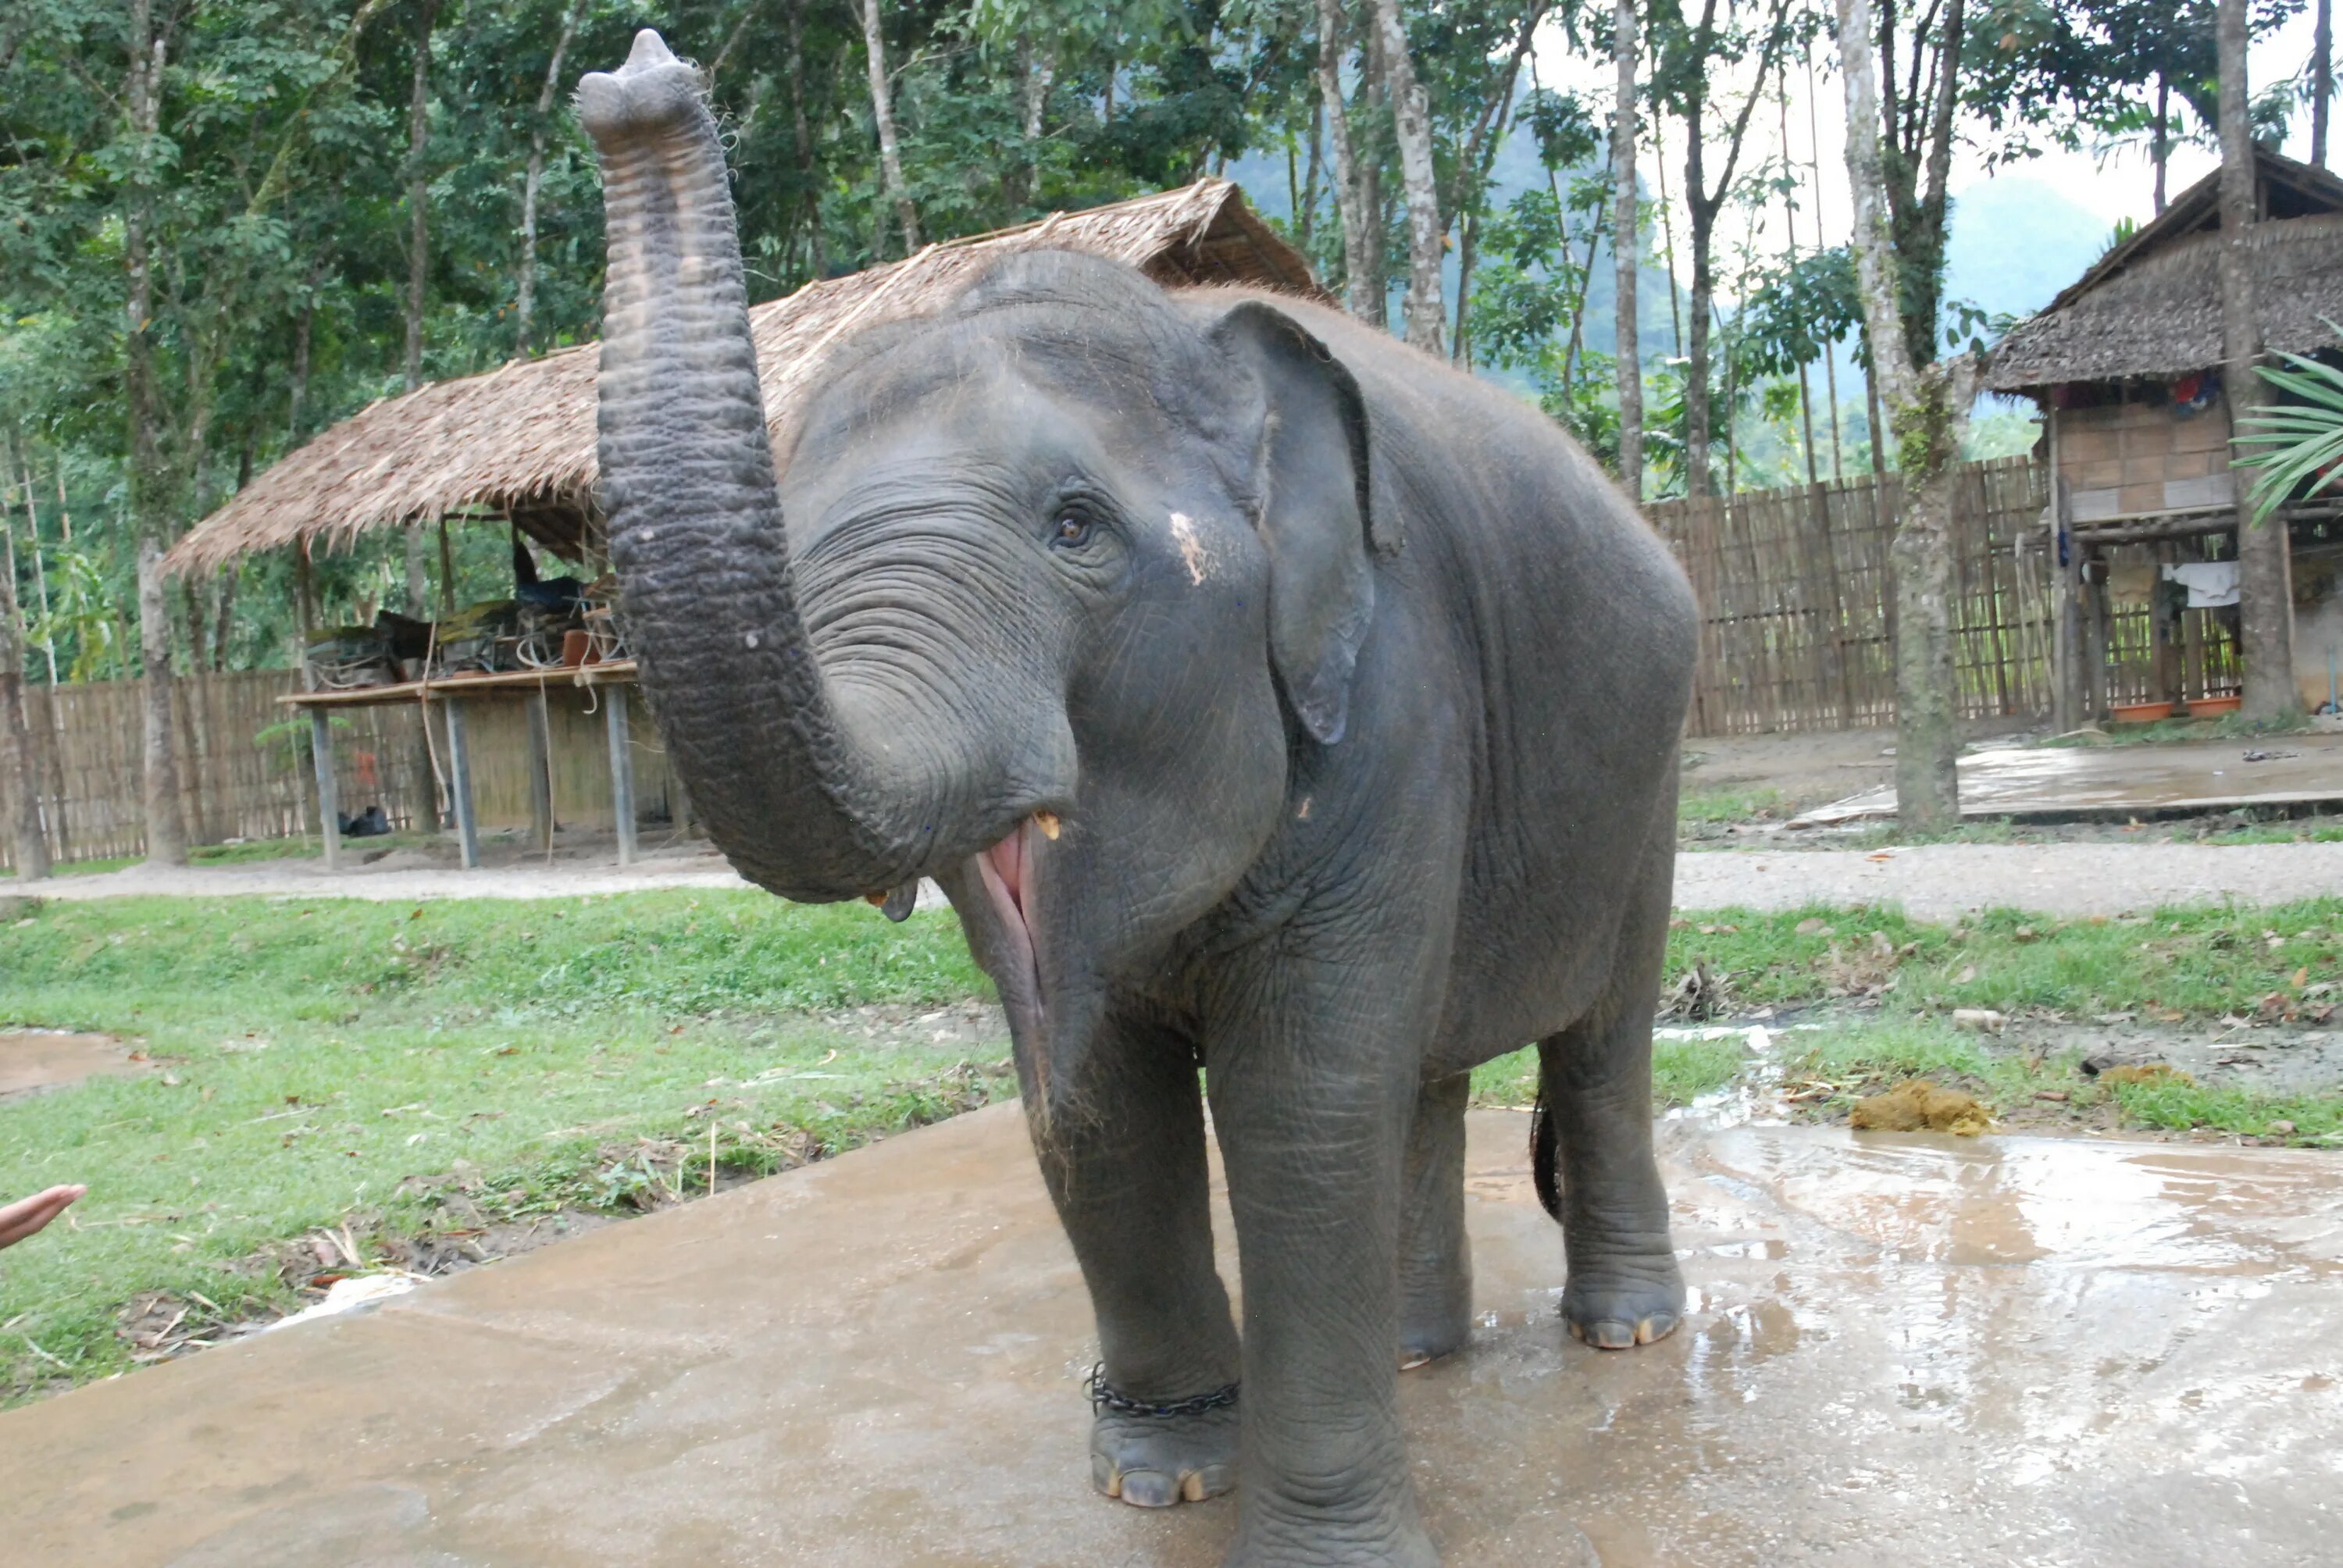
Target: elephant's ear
column 1316, row 518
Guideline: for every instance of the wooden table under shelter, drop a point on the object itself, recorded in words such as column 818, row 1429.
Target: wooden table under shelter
column 609, row 681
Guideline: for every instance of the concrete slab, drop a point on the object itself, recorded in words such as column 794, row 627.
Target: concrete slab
column 1997, row 1351
column 2117, row 782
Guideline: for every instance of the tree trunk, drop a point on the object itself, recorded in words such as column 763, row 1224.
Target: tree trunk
column 2265, row 589
column 167, row 838
column 1361, row 288
column 882, row 114
column 525, row 295
column 2322, row 79
column 1927, row 410
column 20, row 756
column 1626, row 247
column 801, row 133
column 1698, row 413
column 1372, row 198
column 1427, row 314
column 1790, row 243
column 1039, row 69
column 1668, row 236
column 424, row 775
column 1305, row 219
column 418, row 261
column 1830, row 350
column 2160, row 147
column 1468, row 246
column 33, row 543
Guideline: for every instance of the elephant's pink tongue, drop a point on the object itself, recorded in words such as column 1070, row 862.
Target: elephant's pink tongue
column 1008, row 861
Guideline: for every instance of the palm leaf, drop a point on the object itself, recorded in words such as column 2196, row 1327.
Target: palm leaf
column 2295, row 441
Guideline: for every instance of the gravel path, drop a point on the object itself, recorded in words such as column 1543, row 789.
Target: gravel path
column 398, row 880
column 1935, row 881
column 1940, row 881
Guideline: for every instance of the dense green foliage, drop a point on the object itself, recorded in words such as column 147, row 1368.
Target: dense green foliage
column 319, row 181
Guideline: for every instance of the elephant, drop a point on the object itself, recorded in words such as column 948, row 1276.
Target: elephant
column 1291, row 721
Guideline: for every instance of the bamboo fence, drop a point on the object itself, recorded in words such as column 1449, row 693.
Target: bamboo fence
column 1796, row 633
column 1798, row 618
column 243, row 762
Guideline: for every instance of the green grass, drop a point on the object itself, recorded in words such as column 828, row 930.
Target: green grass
column 319, row 1058
column 322, row 1058
column 2306, row 831
column 2167, row 965
column 1681, row 1071
column 1715, row 807
column 1865, row 1059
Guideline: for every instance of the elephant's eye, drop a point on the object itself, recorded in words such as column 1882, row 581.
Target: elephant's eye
column 1072, row 531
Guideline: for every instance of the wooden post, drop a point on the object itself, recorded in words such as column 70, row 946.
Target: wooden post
column 460, row 787
column 329, row 801
column 540, row 769
column 2192, row 667
column 2066, row 579
column 2100, row 634
column 2163, row 628
column 622, row 770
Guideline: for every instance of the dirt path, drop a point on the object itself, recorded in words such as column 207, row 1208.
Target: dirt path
column 1936, row 881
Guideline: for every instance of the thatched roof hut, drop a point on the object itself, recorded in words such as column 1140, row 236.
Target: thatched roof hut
column 2151, row 307
column 519, row 442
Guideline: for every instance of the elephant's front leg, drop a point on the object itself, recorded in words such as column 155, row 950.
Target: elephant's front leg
column 1311, row 1096
column 1129, row 1178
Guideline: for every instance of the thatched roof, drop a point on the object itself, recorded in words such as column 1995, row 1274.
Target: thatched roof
column 2152, row 305
column 519, row 442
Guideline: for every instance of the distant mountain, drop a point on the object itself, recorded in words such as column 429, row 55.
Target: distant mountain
column 1262, row 177
column 2015, row 242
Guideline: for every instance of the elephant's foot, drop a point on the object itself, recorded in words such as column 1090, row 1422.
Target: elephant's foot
column 1615, row 1305
column 1435, row 1319
column 1155, row 1461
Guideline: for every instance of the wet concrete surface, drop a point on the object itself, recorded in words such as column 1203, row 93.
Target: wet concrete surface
column 1980, row 1351
column 40, row 1058
column 2120, row 782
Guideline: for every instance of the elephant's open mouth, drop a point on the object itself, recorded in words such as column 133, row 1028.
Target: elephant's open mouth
column 1007, row 872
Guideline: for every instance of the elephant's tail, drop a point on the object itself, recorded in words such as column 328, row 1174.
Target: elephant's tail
column 1542, row 1154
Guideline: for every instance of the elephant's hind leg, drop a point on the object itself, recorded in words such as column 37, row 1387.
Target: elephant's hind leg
column 1436, row 1260
column 1593, row 1147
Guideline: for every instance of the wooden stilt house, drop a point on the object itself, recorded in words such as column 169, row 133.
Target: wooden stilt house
column 2127, row 365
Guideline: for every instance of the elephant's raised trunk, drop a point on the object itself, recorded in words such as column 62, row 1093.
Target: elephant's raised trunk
column 695, row 519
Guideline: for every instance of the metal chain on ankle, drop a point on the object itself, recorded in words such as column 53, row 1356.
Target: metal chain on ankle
column 1104, row 1397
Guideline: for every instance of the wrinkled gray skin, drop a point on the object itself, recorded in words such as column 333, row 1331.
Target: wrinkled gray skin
column 1352, row 691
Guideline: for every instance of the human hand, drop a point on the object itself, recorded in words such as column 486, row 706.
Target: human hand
column 27, row 1215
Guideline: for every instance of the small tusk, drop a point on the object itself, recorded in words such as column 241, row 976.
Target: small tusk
column 878, row 899
column 1047, row 822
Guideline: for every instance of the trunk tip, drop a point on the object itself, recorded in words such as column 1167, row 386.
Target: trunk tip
column 649, row 50
column 652, row 95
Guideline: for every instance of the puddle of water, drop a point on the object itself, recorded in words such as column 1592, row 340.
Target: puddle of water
column 35, row 1060
column 349, row 1295
column 1755, row 1096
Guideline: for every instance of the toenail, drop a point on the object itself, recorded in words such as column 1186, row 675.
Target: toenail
column 1150, row 1489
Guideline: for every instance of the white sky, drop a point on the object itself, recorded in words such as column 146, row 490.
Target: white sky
column 2116, row 184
